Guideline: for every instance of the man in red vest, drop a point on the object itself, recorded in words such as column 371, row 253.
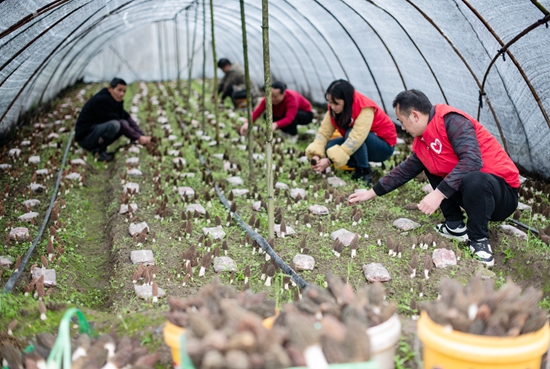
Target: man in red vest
column 465, row 165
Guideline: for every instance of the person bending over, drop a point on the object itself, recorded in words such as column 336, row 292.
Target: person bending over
column 368, row 134
column 103, row 120
column 465, row 165
column 290, row 109
column 233, row 83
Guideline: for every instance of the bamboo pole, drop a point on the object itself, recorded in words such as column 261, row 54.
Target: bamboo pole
column 178, row 48
column 190, row 60
column 216, row 112
column 160, row 51
column 268, row 121
column 203, row 64
column 250, row 134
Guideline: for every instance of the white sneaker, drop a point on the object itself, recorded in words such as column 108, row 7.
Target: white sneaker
column 482, row 250
column 459, row 233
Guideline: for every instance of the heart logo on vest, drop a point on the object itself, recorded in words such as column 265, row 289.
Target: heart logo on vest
column 436, row 146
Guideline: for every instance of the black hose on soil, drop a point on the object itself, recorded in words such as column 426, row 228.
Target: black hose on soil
column 262, row 242
column 11, row 282
column 256, row 237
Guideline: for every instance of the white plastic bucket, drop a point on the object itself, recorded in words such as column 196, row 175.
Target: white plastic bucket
column 383, row 340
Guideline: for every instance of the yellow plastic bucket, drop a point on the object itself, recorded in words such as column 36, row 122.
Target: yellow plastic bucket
column 458, row 350
column 172, row 335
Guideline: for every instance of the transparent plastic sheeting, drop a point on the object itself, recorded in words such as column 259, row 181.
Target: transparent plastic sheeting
column 381, row 46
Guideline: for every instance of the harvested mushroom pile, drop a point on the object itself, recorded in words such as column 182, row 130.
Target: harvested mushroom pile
column 108, row 351
column 224, row 328
column 478, row 309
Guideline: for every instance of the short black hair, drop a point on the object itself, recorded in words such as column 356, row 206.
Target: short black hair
column 412, row 99
column 279, row 86
column 223, row 62
column 117, row 81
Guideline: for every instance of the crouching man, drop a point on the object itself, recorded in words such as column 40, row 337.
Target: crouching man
column 103, row 120
column 465, row 165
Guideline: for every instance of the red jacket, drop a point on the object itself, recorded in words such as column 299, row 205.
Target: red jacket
column 435, row 151
column 285, row 112
column 382, row 125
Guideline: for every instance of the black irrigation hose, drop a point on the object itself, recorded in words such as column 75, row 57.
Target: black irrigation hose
column 258, row 238
column 11, row 282
column 531, row 229
column 263, row 243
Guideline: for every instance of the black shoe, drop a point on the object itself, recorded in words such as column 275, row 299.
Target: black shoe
column 364, row 174
column 459, row 233
column 482, row 250
column 105, row 156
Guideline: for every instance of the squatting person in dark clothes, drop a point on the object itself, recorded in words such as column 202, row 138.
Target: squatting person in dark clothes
column 233, row 83
column 103, row 120
column 290, row 109
column 465, row 165
column 368, row 134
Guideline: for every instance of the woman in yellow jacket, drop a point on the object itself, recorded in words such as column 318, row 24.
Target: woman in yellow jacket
column 368, row 134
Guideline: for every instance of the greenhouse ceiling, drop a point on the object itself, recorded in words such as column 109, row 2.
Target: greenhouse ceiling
column 486, row 57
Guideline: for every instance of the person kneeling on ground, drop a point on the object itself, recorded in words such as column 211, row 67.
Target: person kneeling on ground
column 233, row 83
column 290, row 109
column 103, row 120
column 368, row 134
column 465, row 165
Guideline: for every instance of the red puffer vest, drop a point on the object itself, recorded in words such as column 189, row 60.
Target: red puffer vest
column 382, row 125
column 435, row 151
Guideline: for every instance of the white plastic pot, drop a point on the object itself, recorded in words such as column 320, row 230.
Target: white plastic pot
column 383, row 340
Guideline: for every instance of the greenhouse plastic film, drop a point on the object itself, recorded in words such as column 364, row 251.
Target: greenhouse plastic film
column 382, row 47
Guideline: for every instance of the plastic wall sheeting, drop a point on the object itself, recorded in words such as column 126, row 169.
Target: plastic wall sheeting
column 441, row 47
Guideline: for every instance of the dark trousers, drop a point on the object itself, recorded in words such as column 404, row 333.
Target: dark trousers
column 101, row 136
column 104, row 134
column 302, row 118
column 373, row 149
column 484, row 196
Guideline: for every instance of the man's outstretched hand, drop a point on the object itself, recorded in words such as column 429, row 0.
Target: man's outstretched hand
column 144, row 140
column 431, row 202
column 362, row 196
column 243, row 129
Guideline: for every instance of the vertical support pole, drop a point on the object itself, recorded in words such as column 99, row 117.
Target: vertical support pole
column 203, row 64
column 178, row 76
column 216, row 109
column 250, row 134
column 268, row 120
column 191, row 55
column 160, row 51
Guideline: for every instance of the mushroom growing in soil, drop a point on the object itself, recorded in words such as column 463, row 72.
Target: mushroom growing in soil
column 428, row 264
column 42, row 310
column 270, row 272
column 354, row 245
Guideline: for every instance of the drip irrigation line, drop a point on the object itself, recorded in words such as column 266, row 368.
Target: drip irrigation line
column 11, row 282
column 523, row 225
column 263, row 243
column 255, row 236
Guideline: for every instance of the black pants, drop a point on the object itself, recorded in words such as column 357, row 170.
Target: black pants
column 302, row 118
column 101, row 136
column 484, row 196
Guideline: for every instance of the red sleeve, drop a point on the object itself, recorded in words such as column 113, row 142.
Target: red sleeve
column 290, row 114
column 258, row 111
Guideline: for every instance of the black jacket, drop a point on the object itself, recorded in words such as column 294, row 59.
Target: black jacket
column 99, row 109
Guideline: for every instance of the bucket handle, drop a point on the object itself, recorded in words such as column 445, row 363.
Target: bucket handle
column 185, row 360
column 61, row 351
